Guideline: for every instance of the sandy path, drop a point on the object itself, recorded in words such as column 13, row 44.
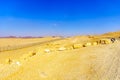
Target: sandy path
column 107, row 65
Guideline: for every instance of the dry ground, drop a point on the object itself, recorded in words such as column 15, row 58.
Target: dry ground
column 100, row 62
column 4, row 42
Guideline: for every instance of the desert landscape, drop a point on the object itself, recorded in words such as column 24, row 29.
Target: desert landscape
column 87, row 57
column 59, row 39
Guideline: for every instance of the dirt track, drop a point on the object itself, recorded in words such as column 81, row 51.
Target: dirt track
column 112, row 64
column 107, row 64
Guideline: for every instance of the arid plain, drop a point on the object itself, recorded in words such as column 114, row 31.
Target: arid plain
column 90, row 57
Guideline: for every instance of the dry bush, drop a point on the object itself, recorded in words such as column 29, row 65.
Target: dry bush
column 8, row 61
column 30, row 54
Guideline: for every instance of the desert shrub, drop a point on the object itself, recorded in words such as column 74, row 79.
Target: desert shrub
column 8, row 61
column 26, row 56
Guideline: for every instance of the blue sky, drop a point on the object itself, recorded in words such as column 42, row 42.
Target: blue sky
column 58, row 17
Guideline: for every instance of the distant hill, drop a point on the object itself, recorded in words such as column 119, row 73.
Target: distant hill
column 112, row 34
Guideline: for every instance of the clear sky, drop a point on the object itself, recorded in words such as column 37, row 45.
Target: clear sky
column 58, row 17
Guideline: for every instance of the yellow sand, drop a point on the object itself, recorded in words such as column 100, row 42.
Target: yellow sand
column 47, row 62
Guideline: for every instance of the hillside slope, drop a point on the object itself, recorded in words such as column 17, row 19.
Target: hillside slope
column 90, row 63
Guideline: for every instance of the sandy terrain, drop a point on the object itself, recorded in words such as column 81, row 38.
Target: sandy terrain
column 7, row 44
column 63, row 59
column 20, row 41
